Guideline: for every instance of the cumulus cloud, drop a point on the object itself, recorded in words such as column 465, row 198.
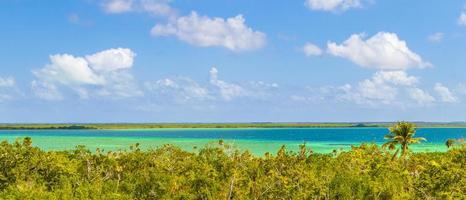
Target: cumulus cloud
column 105, row 72
column 383, row 88
column 369, row 92
column 436, row 37
column 231, row 33
column 383, row 51
column 445, row 94
column 420, row 96
column 395, row 78
column 310, row 49
column 111, row 59
column 462, row 19
column 121, row 84
column 154, row 7
column 334, row 5
column 69, row 70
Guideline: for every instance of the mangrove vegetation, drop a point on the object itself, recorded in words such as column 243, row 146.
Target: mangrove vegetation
column 221, row 172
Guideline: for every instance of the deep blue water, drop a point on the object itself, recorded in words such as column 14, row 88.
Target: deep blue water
column 433, row 135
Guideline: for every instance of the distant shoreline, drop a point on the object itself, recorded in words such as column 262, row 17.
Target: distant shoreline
column 139, row 126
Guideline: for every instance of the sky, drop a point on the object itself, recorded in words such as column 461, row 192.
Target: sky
column 96, row 61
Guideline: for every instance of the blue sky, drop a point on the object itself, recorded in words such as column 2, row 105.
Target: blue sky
column 232, row 61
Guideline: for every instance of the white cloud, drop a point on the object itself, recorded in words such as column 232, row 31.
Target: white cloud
column 180, row 89
column 462, row 19
column 154, row 7
column 231, row 33
column 46, row 91
column 111, row 59
column 121, row 84
column 395, row 77
column 228, row 91
column 395, row 89
column 334, row 5
column 436, row 37
column 445, row 94
column 7, row 82
column 69, row 70
column 184, row 89
column 104, row 73
column 420, row 96
column 383, row 51
column 310, row 49
column 383, row 88
column 158, row 7
column 371, row 92
column 8, row 89
column 117, row 6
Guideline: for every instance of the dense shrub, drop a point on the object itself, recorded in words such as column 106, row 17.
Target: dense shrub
column 220, row 172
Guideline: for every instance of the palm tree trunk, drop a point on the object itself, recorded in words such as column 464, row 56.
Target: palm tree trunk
column 404, row 150
column 396, row 153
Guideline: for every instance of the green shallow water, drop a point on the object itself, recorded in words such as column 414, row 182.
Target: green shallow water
column 256, row 147
column 257, row 141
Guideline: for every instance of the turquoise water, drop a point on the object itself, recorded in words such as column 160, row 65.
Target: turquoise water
column 256, row 140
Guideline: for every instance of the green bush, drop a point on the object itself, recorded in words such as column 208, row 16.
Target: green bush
column 221, row 172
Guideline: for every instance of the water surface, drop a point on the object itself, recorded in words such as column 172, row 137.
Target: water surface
column 256, row 140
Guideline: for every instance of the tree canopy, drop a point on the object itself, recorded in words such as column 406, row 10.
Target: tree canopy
column 219, row 171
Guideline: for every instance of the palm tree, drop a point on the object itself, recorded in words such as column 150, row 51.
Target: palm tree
column 401, row 134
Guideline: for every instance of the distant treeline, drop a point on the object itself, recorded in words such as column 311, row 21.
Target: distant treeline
column 212, row 125
column 34, row 127
column 221, row 172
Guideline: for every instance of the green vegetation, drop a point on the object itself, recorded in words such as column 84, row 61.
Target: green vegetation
column 402, row 134
column 44, row 126
column 452, row 142
column 172, row 125
column 215, row 125
column 221, row 172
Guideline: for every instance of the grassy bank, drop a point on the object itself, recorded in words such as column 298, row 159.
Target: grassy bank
column 220, row 172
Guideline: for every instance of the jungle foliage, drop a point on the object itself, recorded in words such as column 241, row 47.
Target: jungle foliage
column 218, row 171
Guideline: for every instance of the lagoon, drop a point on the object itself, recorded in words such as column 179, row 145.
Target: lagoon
column 256, row 140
